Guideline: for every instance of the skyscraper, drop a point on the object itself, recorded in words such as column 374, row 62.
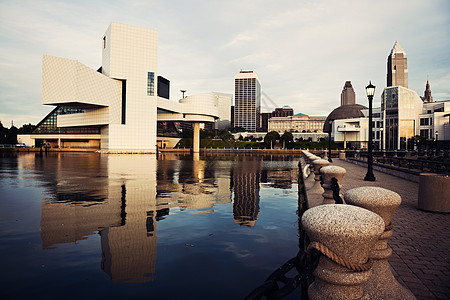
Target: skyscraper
column 427, row 94
column 397, row 70
column 247, row 95
column 348, row 94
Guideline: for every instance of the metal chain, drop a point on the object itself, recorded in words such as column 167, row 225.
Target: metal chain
column 335, row 188
column 305, row 263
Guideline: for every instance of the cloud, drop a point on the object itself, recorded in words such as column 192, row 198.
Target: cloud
column 303, row 51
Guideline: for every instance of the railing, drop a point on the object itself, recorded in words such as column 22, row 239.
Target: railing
column 439, row 165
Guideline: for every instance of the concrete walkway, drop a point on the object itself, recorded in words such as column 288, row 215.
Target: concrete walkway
column 421, row 240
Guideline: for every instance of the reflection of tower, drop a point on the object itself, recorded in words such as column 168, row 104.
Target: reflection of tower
column 246, row 177
column 129, row 250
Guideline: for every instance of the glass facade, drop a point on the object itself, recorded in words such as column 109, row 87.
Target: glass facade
column 49, row 124
column 150, row 84
column 401, row 107
column 169, row 129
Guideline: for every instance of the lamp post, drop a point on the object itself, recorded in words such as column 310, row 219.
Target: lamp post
column 381, row 138
column 437, row 142
column 330, row 122
column 370, row 91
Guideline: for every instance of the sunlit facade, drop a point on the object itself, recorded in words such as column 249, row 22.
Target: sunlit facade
column 297, row 123
column 122, row 97
column 400, row 110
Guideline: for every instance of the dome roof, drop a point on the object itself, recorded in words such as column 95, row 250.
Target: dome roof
column 344, row 112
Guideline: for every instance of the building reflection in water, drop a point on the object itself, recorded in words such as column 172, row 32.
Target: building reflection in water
column 129, row 250
column 246, row 176
column 124, row 196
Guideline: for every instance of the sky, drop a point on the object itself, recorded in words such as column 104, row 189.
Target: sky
column 302, row 50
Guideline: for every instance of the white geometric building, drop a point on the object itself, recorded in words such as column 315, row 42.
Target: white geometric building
column 120, row 97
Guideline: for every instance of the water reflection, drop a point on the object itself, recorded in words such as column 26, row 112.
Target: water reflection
column 123, row 197
column 246, row 177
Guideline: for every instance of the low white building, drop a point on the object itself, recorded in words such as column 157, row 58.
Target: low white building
column 119, row 104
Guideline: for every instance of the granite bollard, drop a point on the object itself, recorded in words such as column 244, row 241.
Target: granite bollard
column 317, row 164
column 350, row 233
column 383, row 202
column 328, row 173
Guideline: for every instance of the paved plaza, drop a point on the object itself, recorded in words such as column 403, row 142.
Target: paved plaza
column 421, row 240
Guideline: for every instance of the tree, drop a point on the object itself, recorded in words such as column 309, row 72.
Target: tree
column 26, row 128
column 11, row 135
column 271, row 138
column 288, row 139
column 3, row 132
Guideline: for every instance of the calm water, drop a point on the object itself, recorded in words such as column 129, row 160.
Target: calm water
column 91, row 226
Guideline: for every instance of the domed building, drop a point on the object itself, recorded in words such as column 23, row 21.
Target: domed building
column 347, row 123
column 343, row 112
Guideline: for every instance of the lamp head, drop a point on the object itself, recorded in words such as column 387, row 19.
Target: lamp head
column 370, row 89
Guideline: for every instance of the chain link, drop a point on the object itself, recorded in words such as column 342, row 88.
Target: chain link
column 305, row 263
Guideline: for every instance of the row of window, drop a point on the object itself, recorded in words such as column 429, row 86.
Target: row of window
column 426, row 121
column 150, row 84
column 427, row 133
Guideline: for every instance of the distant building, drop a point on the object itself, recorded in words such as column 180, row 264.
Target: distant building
column 247, row 100
column 264, row 119
column 348, row 109
column 397, row 69
column 224, row 102
column 427, row 94
column 285, row 111
column 297, row 123
column 348, row 96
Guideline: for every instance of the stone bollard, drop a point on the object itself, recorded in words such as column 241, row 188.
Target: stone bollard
column 342, row 154
column 311, row 158
column 328, row 173
column 317, row 164
column 349, row 232
column 382, row 284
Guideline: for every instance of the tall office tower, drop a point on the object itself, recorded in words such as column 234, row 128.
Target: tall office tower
column 247, row 95
column 348, row 94
column 427, row 94
column 397, row 70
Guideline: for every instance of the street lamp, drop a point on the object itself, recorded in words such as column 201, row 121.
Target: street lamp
column 370, row 91
column 330, row 122
column 381, row 138
column 437, row 142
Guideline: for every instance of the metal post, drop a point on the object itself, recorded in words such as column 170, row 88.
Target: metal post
column 329, row 141
column 369, row 175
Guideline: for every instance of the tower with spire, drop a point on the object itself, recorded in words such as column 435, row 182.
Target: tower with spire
column 397, row 70
column 427, row 94
column 348, row 94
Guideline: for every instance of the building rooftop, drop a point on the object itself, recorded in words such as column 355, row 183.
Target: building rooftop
column 398, row 49
column 344, row 112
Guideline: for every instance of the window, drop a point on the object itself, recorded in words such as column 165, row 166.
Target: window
column 424, row 121
column 151, row 84
column 104, row 42
column 431, row 121
column 424, row 133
